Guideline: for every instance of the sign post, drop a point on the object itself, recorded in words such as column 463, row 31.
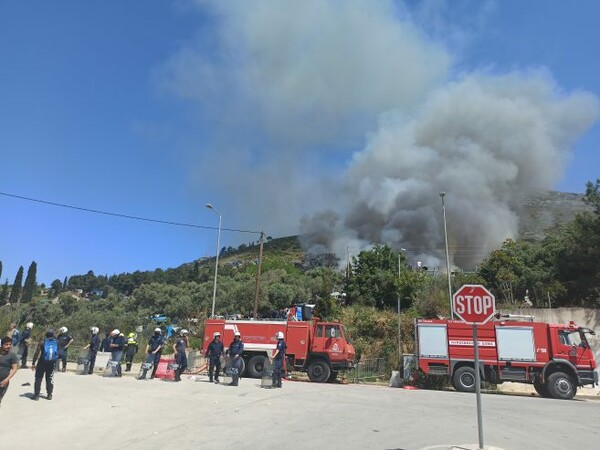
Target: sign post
column 475, row 305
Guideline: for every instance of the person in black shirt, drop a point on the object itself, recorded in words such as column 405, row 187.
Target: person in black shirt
column 105, row 344
column 64, row 340
column 278, row 360
column 154, row 350
column 8, row 364
column 235, row 351
column 93, row 347
column 47, row 352
column 117, row 345
column 214, row 353
column 180, row 348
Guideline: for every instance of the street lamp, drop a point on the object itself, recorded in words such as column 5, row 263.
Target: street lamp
column 442, row 194
column 211, row 207
column 400, row 353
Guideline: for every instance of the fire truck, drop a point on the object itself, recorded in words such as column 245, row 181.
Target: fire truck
column 555, row 358
column 322, row 349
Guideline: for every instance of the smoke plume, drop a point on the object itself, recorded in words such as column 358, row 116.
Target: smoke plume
column 343, row 121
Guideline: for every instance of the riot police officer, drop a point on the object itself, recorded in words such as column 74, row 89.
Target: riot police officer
column 93, row 347
column 154, row 350
column 214, row 353
column 236, row 348
column 278, row 360
column 180, row 348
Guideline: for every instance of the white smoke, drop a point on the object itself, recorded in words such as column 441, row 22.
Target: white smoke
column 341, row 116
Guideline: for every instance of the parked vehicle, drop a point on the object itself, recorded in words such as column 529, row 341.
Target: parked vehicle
column 322, row 349
column 555, row 358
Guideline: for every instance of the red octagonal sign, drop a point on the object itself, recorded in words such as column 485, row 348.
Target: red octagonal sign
column 473, row 303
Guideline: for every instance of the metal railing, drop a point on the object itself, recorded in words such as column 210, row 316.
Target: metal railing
column 368, row 370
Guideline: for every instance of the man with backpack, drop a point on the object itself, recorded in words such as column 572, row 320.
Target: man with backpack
column 47, row 352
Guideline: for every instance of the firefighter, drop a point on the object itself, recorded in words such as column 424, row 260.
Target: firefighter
column 131, row 348
column 278, row 359
column 153, row 351
column 236, row 348
column 180, row 348
column 214, row 353
column 93, row 347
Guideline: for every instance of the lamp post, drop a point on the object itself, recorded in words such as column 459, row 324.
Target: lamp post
column 442, row 194
column 400, row 353
column 211, row 207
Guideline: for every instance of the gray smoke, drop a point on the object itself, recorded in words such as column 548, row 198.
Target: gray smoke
column 342, row 121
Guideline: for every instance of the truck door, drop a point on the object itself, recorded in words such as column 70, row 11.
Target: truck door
column 574, row 347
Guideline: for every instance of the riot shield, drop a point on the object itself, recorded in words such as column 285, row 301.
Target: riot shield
column 83, row 362
column 266, row 380
column 146, row 367
column 226, row 369
column 111, row 369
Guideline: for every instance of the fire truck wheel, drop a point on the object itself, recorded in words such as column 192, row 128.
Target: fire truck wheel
column 561, row 386
column 464, row 379
column 541, row 389
column 319, row 371
column 256, row 365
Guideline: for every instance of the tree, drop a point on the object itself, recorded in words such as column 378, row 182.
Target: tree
column 30, row 283
column 0, row 269
column 15, row 293
column 56, row 288
column 4, row 293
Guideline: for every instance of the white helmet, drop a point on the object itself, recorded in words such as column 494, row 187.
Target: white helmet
column 94, row 330
column 29, row 325
column 216, row 334
column 115, row 332
column 237, row 333
column 157, row 330
column 184, row 331
column 63, row 329
column 279, row 335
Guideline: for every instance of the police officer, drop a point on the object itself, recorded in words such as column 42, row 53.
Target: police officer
column 24, row 342
column 236, row 348
column 117, row 344
column 278, row 360
column 180, row 348
column 64, row 339
column 93, row 347
column 131, row 348
column 214, row 353
column 154, row 350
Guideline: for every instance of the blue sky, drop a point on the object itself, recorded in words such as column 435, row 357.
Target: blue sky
column 155, row 108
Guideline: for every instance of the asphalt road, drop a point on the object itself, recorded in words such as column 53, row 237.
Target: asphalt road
column 95, row 412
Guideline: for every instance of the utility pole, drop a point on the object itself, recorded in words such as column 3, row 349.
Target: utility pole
column 257, row 294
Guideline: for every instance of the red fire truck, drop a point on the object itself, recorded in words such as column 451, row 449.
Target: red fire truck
column 555, row 358
column 320, row 348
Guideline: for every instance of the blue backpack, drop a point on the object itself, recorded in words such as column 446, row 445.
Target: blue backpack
column 50, row 350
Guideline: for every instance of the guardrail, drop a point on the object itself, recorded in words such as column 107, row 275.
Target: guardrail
column 368, row 369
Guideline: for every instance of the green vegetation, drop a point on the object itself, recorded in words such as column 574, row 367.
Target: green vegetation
column 563, row 266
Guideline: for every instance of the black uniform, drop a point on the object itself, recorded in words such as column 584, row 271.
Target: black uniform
column 63, row 340
column 94, row 347
column 214, row 353
column 24, row 346
column 235, row 351
column 155, row 344
column 43, row 368
column 278, row 363
column 181, row 347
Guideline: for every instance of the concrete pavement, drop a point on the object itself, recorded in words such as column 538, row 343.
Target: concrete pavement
column 91, row 411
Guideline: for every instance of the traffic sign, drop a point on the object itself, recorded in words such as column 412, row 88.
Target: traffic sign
column 474, row 304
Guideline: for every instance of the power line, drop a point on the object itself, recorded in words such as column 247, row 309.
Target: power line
column 125, row 216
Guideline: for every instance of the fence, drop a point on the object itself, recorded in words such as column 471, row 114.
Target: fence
column 368, row 370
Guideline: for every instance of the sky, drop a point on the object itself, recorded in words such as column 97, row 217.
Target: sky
column 340, row 120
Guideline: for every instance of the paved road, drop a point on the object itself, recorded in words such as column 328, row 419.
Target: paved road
column 95, row 412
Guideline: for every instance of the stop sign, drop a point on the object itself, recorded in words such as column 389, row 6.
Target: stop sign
column 473, row 303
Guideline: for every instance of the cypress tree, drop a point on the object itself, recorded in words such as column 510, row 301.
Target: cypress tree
column 4, row 293
column 30, row 283
column 15, row 292
column 0, row 269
